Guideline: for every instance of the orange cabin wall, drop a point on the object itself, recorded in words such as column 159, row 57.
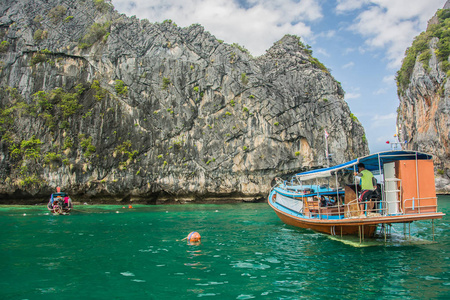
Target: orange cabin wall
column 406, row 171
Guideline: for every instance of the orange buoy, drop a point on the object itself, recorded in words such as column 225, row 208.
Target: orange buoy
column 129, row 206
column 194, row 237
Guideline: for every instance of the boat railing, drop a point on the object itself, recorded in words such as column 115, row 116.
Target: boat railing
column 420, row 205
column 343, row 211
column 372, row 209
column 337, row 211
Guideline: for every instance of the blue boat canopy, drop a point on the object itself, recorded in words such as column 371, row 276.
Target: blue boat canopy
column 55, row 195
column 61, row 194
column 373, row 162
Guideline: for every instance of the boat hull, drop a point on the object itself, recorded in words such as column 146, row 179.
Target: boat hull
column 58, row 211
column 332, row 229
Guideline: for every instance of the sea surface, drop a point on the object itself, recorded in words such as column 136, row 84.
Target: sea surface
column 246, row 252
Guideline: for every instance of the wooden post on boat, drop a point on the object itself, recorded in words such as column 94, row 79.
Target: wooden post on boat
column 409, row 230
column 326, row 147
column 432, row 227
column 359, row 232
column 362, row 232
column 337, row 195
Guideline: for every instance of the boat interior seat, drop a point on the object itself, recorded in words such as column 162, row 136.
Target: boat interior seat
column 313, row 205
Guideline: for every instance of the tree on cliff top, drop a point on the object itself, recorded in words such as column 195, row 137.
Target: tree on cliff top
column 420, row 46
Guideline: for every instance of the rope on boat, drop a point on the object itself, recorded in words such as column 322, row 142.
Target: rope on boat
column 57, row 209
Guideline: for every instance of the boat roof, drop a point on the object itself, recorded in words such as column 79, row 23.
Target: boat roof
column 372, row 162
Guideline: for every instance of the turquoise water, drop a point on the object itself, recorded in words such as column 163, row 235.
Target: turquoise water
column 107, row 252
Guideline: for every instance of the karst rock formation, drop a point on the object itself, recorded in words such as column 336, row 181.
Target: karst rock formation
column 424, row 91
column 114, row 108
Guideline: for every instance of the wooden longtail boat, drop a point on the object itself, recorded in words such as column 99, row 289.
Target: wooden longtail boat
column 326, row 200
column 60, row 203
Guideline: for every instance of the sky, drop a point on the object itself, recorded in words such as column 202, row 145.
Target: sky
column 362, row 42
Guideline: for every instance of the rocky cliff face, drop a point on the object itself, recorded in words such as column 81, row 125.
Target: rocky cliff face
column 111, row 107
column 424, row 93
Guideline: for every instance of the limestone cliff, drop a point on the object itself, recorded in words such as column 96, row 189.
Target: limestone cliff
column 112, row 107
column 424, row 92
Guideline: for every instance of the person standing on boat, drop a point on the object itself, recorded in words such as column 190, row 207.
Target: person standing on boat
column 367, row 185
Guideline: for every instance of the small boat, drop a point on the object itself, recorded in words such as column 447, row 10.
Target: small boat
column 60, row 203
column 326, row 200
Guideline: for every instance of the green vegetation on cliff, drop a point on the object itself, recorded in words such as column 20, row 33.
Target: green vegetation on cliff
column 57, row 104
column 420, row 48
column 57, row 13
column 96, row 32
column 58, row 111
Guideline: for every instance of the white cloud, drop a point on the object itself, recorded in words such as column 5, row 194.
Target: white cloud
column 349, row 50
column 323, row 52
column 389, row 82
column 349, row 5
column 349, row 65
column 389, row 79
column 382, row 120
column 349, row 96
column 257, row 25
column 380, row 91
column 362, row 50
column 327, row 34
column 390, row 116
column 390, row 25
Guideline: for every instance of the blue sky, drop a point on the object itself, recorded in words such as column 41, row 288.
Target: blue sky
column 361, row 41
